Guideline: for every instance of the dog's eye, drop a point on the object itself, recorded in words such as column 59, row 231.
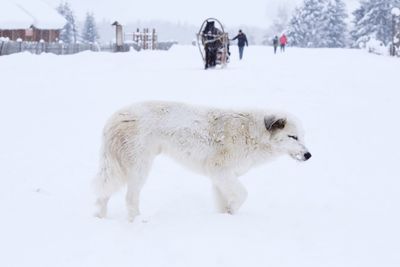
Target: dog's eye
column 293, row 137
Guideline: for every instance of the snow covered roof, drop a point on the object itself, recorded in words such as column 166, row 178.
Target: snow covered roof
column 21, row 14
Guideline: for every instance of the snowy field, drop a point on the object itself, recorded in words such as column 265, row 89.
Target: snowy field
column 341, row 208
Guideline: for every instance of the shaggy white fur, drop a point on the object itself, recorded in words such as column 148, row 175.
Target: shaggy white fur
column 221, row 144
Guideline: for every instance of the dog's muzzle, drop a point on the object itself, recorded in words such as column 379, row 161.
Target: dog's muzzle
column 307, row 156
column 302, row 156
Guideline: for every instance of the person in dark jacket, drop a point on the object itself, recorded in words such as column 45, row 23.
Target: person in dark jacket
column 242, row 40
column 275, row 42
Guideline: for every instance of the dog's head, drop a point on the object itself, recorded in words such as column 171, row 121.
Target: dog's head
column 286, row 137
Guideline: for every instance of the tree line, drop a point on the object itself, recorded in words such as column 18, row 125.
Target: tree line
column 70, row 33
column 325, row 23
column 315, row 23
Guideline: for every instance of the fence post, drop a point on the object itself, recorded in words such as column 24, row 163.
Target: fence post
column 41, row 46
column 19, row 42
column 6, row 49
column 154, row 40
column 145, row 38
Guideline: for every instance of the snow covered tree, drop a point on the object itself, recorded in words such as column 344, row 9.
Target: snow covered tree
column 318, row 23
column 396, row 29
column 373, row 19
column 89, row 32
column 296, row 31
column 69, row 34
column 335, row 25
column 305, row 28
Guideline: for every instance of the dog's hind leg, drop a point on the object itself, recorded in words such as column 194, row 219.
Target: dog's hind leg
column 106, row 183
column 103, row 194
column 230, row 194
column 101, row 203
column 111, row 177
column 136, row 179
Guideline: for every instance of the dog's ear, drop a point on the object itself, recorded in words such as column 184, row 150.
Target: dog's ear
column 273, row 123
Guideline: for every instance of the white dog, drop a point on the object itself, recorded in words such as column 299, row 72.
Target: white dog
column 221, row 144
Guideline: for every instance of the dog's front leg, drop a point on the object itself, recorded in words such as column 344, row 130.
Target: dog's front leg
column 230, row 193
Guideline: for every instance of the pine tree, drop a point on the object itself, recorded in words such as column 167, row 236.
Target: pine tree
column 296, row 33
column 360, row 30
column 336, row 27
column 89, row 32
column 373, row 19
column 69, row 34
column 318, row 23
column 306, row 26
column 396, row 29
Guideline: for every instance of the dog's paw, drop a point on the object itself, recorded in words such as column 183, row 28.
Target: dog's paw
column 131, row 219
column 230, row 210
column 100, row 215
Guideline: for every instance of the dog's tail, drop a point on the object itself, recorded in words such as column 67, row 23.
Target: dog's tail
column 112, row 173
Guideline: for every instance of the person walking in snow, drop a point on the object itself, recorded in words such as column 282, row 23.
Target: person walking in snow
column 275, row 42
column 242, row 40
column 283, row 42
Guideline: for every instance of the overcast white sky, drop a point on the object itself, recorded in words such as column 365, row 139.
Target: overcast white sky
column 248, row 12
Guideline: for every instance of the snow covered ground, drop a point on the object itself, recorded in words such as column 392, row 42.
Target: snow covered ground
column 339, row 209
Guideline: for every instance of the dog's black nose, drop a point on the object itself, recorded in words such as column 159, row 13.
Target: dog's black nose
column 307, row 155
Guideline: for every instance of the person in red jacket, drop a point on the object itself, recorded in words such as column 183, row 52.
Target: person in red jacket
column 283, row 42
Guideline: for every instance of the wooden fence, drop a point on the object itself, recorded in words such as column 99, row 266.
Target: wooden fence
column 146, row 39
column 12, row 47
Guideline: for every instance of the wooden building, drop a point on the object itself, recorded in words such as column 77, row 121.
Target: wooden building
column 30, row 20
column 31, row 34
